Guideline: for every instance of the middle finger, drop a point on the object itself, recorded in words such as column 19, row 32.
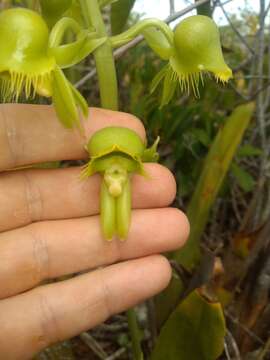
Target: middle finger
column 34, row 195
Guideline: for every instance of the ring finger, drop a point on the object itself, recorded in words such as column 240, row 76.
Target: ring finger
column 51, row 249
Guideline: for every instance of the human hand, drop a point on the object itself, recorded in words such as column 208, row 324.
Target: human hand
column 50, row 227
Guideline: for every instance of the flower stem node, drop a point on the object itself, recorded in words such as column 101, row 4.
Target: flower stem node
column 116, row 153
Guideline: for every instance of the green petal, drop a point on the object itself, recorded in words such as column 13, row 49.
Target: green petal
column 71, row 54
column 88, row 170
column 151, row 154
column 60, row 28
column 63, row 100
column 157, row 42
column 169, row 87
column 123, row 211
column 80, row 101
column 108, row 212
column 157, row 79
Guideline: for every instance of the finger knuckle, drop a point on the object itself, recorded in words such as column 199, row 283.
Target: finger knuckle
column 40, row 254
column 48, row 324
column 33, row 197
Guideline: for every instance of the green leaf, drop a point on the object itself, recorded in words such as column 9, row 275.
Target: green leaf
column 204, row 9
column 244, row 179
column 120, row 11
column 52, row 10
column 249, row 150
column 202, row 136
column 194, row 331
column 216, row 166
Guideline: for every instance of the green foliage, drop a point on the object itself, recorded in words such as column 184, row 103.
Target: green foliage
column 52, row 10
column 244, row 179
column 195, row 330
column 215, row 168
column 120, row 11
column 204, row 9
column 249, row 150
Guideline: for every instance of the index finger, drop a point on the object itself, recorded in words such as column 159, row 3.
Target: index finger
column 32, row 134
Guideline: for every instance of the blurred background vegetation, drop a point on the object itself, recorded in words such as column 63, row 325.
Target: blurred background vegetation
column 234, row 265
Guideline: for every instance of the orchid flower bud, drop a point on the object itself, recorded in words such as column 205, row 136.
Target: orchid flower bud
column 116, row 153
column 196, row 50
column 31, row 61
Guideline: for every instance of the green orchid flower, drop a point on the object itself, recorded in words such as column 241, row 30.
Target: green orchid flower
column 196, row 50
column 191, row 50
column 32, row 60
column 116, row 153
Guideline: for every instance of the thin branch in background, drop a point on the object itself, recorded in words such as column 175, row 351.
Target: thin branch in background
column 243, row 327
column 265, row 350
column 266, row 11
column 226, row 350
column 241, row 38
column 117, row 354
column 243, row 96
column 93, row 345
column 260, row 83
column 172, row 7
column 233, row 344
column 267, row 95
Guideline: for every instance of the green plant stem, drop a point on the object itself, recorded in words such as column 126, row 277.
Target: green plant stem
column 103, row 56
column 135, row 334
column 138, row 28
column 109, row 99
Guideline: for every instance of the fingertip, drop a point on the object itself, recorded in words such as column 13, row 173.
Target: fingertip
column 179, row 222
column 149, row 276
column 164, row 271
column 159, row 188
column 167, row 187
